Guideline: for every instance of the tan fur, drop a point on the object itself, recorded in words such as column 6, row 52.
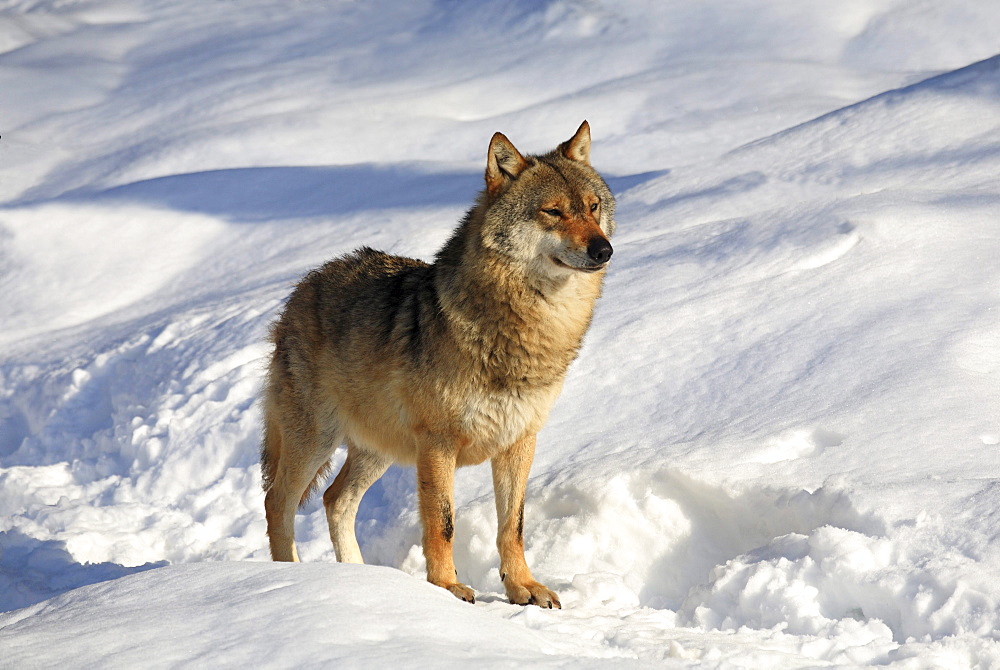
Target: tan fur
column 440, row 365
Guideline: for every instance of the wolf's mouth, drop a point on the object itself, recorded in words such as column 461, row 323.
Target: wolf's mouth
column 592, row 268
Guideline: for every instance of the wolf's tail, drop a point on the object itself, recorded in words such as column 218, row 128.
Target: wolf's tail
column 270, row 447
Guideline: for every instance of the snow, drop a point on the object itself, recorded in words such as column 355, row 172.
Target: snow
column 779, row 445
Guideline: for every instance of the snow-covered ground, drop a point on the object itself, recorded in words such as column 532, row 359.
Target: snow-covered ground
column 779, row 448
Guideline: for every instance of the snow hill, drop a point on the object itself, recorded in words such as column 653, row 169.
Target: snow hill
column 779, row 448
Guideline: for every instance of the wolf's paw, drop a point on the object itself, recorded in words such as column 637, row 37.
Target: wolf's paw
column 532, row 593
column 461, row 591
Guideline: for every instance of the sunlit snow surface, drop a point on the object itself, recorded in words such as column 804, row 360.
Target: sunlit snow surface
column 779, row 448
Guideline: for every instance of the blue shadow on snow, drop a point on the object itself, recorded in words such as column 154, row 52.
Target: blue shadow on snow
column 33, row 570
column 258, row 194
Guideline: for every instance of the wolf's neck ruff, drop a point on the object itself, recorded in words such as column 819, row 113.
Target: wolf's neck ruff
column 518, row 329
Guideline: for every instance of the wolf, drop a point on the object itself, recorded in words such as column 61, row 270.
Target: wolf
column 440, row 365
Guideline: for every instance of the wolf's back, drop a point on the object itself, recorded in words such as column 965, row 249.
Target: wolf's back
column 365, row 301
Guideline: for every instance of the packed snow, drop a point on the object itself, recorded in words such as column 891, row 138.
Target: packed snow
column 779, row 447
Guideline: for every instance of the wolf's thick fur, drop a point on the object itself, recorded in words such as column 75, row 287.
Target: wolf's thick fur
column 440, row 365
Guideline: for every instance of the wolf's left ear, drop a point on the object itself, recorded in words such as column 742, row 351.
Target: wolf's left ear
column 577, row 148
column 503, row 164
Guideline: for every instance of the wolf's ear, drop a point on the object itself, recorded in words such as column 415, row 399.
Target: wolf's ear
column 503, row 164
column 577, row 148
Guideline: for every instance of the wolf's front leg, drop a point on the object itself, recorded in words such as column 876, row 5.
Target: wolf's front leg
column 510, row 479
column 435, row 487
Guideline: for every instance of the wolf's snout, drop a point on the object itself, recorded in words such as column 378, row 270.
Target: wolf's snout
column 599, row 250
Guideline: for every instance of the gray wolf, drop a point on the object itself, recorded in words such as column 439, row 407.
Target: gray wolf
column 440, row 365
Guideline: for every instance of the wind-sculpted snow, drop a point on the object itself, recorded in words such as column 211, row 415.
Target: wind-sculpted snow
column 777, row 449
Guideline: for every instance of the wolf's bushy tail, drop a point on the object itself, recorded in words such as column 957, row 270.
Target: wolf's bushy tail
column 270, row 447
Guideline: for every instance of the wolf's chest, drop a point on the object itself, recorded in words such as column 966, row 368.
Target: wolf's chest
column 492, row 420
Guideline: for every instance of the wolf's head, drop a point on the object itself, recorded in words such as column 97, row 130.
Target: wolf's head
column 552, row 212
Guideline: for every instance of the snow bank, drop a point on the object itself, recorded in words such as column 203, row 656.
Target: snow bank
column 323, row 614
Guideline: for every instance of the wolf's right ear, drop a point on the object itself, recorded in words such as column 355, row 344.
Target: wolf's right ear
column 503, row 164
column 577, row 148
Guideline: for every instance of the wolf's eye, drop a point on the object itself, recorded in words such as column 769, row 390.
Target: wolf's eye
column 552, row 212
column 594, row 206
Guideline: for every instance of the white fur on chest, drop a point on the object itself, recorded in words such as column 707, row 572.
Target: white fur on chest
column 493, row 420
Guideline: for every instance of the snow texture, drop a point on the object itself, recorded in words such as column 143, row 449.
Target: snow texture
column 779, row 447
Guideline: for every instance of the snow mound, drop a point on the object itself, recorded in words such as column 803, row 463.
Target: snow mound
column 171, row 616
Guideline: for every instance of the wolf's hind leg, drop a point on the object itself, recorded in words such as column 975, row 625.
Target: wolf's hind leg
column 361, row 469
column 295, row 466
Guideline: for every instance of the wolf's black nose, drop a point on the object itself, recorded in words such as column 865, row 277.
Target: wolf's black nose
column 599, row 250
